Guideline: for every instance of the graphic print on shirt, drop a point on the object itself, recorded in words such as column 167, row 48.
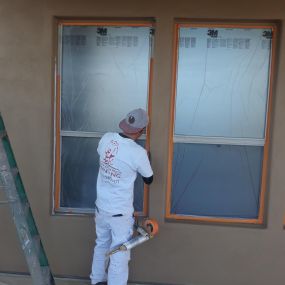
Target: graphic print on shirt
column 109, row 172
column 110, row 152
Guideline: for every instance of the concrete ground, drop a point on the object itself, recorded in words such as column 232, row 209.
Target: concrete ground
column 20, row 279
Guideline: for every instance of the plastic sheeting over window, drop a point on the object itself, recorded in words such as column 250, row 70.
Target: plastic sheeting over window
column 79, row 168
column 103, row 74
column 216, row 180
column 219, row 128
column 222, row 83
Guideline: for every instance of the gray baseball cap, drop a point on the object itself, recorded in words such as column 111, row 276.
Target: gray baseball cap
column 134, row 121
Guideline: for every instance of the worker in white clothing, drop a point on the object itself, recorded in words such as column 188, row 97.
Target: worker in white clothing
column 121, row 158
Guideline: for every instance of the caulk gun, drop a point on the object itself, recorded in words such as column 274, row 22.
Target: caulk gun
column 145, row 232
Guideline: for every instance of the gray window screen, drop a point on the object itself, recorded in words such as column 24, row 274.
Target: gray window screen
column 104, row 72
column 220, row 120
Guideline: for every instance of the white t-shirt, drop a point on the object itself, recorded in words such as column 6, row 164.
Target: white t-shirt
column 120, row 160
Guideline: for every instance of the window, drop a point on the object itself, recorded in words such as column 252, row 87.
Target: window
column 103, row 70
column 220, row 120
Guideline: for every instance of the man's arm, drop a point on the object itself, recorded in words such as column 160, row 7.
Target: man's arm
column 144, row 167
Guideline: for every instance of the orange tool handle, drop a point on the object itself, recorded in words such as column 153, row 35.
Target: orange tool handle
column 151, row 226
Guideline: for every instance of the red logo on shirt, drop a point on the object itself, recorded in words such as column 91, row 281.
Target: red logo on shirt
column 110, row 152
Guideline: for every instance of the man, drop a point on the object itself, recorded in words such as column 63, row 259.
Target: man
column 121, row 158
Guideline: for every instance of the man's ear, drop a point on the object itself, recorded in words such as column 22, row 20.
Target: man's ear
column 139, row 133
column 143, row 129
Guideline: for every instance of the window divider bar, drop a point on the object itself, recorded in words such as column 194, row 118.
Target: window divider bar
column 218, row 140
column 82, row 134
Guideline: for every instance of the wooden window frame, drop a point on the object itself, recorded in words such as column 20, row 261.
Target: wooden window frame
column 209, row 219
column 61, row 22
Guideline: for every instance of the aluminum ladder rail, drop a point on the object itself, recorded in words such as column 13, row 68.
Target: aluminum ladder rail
column 11, row 183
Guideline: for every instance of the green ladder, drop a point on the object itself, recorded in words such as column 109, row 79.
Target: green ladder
column 11, row 183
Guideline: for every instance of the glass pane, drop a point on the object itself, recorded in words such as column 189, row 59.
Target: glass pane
column 216, row 180
column 222, row 83
column 138, row 194
column 139, row 187
column 105, row 74
column 79, row 169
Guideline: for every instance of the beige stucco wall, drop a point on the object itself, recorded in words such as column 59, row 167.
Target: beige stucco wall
column 183, row 253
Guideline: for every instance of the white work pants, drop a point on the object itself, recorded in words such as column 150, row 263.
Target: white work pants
column 111, row 232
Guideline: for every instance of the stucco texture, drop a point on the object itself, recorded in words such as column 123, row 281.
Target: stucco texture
column 182, row 253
